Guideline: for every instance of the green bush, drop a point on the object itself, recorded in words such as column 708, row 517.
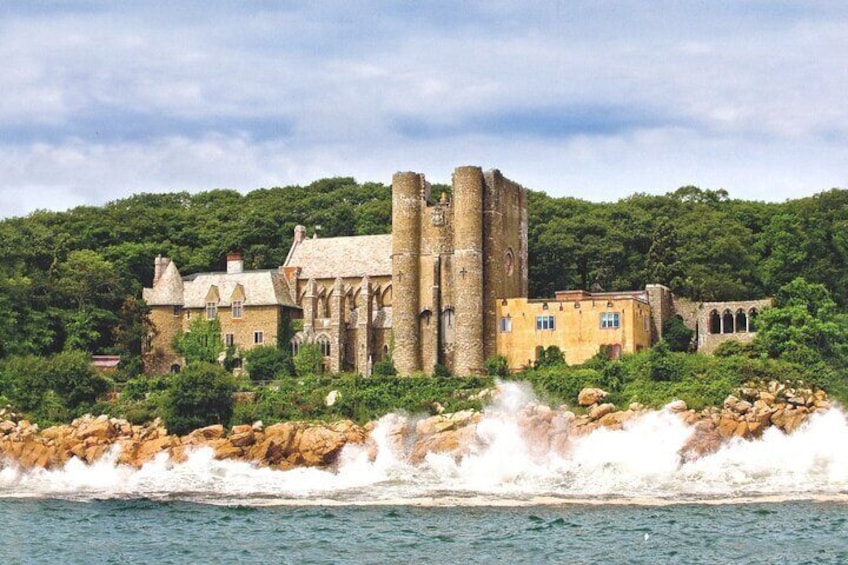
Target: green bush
column 198, row 396
column 441, row 371
column 308, row 360
column 677, row 334
column 267, row 363
column 384, row 368
column 497, row 366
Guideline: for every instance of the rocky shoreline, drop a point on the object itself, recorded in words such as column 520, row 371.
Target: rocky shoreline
column 544, row 430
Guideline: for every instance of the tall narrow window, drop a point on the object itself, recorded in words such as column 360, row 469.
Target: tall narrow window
column 178, row 310
column 211, row 310
column 237, row 309
column 229, row 340
column 258, row 338
column 506, row 324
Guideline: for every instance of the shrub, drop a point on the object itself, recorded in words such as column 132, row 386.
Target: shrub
column 497, row 366
column 441, row 371
column 308, row 360
column 384, row 368
column 200, row 395
column 676, row 334
column 267, row 363
column 664, row 366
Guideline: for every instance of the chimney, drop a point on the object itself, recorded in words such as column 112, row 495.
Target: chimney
column 159, row 266
column 235, row 264
column 299, row 234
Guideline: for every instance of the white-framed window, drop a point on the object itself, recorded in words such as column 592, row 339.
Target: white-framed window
column 229, row 340
column 545, row 322
column 238, row 309
column 506, row 324
column 610, row 320
column 211, row 310
column 258, row 337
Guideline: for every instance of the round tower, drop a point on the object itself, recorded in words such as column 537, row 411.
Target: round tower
column 468, row 269
column 406, row 251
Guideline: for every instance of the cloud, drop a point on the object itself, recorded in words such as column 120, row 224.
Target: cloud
column 99, row 100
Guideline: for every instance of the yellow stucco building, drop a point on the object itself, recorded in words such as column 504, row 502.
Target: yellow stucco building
column 580, row 323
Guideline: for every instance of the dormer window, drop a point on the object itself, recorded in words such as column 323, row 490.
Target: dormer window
column 211, row 310
column 238, row 309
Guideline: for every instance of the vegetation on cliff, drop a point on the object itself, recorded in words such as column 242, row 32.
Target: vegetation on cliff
column 69, row 282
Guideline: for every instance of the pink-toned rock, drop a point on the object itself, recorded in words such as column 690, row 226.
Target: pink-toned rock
column 590, row 396
column 320, row 445
column 242, row 436
column 600, row 411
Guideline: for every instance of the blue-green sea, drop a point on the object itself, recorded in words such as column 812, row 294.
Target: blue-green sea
column 144, row 531
column 633, row 495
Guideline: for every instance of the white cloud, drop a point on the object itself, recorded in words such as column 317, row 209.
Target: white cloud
column 584, row 98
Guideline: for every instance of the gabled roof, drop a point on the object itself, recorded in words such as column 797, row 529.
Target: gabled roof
column 168, row 290
column 354, row 256
column 259, row 288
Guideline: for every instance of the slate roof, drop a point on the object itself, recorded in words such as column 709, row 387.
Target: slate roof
column 261, row 288
column 168, row 291
column 331, row 257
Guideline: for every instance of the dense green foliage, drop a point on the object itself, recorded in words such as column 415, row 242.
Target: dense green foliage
column 676, row 334
column 360, row 399
column 308, row 360
column 267, row 362
column 200, row 395
column 64, row 275
column 201, row 343
column 51, row 389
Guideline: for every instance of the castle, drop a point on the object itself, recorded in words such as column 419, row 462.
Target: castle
column 448, row 287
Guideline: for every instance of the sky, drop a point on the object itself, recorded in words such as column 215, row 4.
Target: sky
column 597, row 99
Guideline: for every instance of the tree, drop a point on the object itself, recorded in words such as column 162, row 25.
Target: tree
column 676, row 334
column 804, row 326
column 497, row 366
column 267, row 362
column 201, row 343
column 308, row 360
column 198, row 396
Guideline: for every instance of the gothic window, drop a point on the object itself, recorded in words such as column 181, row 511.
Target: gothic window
column 610, row 320
column 752, row 316
column 295, row 346
column 509, row 262
column 238, row 308
column 715, row 322
column 324, row 343
column 448, row 326
column 727, row 322
column 741, row 321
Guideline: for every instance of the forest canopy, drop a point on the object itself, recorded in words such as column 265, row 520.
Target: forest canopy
column 69, row 280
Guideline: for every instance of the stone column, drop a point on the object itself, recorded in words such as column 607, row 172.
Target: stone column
column 363, row 328
column 337, row 327
column 406, row 251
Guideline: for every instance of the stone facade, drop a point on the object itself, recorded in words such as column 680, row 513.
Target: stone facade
column 451, row 260
column 251, row 306
column 447, row 261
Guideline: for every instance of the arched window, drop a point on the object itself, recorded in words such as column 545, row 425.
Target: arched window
column 175, row 368
column 295, row 345
column 727, row 322
column 715, row 322
column 741, row 321
column 448, row 332
column 324, row 343
column 752, row 317
column 387, row 296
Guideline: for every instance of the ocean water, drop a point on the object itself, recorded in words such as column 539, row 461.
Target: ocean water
column 621, row 496
column 146, row 531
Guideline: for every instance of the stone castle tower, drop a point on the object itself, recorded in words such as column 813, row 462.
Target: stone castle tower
column 451, row 261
